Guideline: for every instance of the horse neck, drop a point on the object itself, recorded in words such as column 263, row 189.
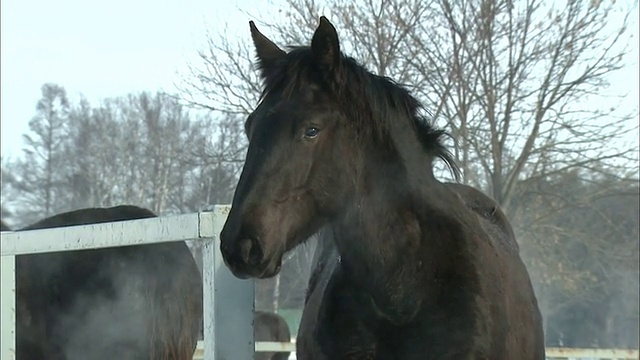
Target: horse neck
column 393, row 179
column 393, row 237
column 388, row 212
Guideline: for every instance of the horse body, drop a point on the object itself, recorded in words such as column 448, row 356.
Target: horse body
column 462, row 313
column 410, row 268
column 270, row 327
column 132, row 302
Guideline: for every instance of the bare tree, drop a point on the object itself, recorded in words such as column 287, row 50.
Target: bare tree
column 138, row 149
column 581, row 245
column 93, row 155
column 507, row 77
column 36, row 178
column 8, row 196
column 225, row 80
column 510, row 77
column 219, row 157
column 143, row 149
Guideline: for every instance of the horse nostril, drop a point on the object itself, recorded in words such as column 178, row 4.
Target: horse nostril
column 251, row 252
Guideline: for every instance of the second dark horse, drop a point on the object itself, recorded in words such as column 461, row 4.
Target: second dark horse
column 411, row 268
column 140, row 302
column 269, row 326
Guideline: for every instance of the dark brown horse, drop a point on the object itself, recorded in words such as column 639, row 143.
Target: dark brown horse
column 412, row 268
column 270, row 327
column 132, row 302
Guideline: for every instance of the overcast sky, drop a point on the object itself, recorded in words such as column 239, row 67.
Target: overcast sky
column 111, row 48
column 98, row 48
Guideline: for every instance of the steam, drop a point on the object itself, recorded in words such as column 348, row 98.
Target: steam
column 102, row 327
column 138, row 302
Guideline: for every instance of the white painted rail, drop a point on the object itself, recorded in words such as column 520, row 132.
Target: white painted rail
column 260, row 346
column 592, row 354
column 7, row 307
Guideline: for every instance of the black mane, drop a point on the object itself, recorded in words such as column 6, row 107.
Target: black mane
column 373, row 101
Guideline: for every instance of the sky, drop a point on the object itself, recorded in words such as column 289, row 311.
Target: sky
column 100, row 49
column 112, row 48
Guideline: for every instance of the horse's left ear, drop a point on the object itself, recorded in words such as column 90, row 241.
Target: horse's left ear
column 269, row 54
column 325, row 45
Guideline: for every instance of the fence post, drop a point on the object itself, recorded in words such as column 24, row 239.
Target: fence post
column 8, row 307
column 228, row 301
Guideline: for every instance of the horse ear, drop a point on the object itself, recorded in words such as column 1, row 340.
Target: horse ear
column 325, row 45
column 267, row 52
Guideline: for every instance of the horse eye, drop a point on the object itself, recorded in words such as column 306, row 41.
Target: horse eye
column 311, row 132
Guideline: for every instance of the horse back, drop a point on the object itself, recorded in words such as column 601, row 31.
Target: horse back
column 271, row 327
column 92, row 216
column 144, row 300
column 488, row 209
column 499, row 259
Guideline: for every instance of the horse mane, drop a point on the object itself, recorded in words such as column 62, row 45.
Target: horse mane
column 372, row 101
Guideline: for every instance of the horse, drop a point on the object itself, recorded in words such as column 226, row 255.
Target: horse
column 129, row 302
column 270, row 327
column 412, row 267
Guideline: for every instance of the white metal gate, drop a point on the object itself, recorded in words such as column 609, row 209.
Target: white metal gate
column 228, row 301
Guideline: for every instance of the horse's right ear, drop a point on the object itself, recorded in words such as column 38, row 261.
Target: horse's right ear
column 326, row 46
column 267, row 52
